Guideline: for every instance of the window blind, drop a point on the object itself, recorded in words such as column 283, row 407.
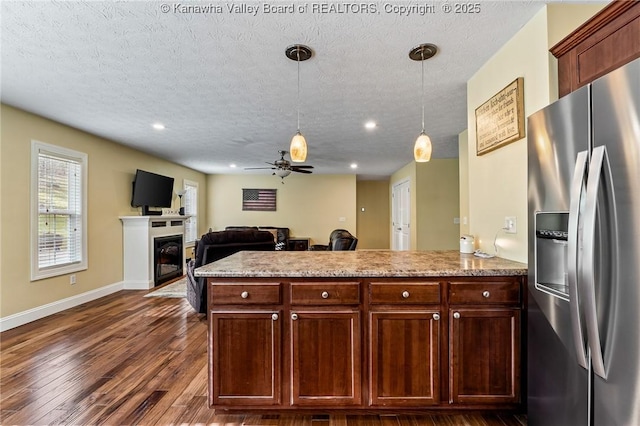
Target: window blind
column 59, row 210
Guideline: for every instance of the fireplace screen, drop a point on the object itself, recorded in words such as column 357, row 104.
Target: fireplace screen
column 167, row 258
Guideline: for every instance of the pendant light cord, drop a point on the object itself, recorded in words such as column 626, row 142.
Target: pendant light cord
column 298, row 54
column 422, row 62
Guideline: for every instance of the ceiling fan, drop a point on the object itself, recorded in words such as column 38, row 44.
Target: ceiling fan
column 283, row 168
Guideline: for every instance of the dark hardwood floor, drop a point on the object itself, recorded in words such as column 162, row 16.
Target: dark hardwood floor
column 126, row 359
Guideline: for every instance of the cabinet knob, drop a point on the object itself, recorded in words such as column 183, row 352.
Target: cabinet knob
column 405, row 294
column 456, row 315
column 486, row 294
column 436, row 317
column 325, row 294
column 294, row 316
column 244, row 294
column 274, row 317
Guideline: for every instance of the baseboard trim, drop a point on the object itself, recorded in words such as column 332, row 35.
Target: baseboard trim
column 137, row 285
column 25, row 317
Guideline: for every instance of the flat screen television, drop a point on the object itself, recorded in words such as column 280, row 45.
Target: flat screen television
column 151, row 190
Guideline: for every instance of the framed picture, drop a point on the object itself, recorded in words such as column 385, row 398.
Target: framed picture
column 259, row 200
column 500, row 120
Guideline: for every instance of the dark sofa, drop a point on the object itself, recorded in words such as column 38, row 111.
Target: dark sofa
column 216, row 245
column 281, row 235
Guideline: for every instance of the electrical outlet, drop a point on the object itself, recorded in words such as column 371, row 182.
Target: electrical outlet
column 72, row 279
column 510, row 224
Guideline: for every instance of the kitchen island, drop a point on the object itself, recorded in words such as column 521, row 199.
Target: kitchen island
column 364, row 330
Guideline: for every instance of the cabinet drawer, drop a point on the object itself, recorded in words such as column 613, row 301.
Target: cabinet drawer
column 407, row 293
column 245, row 293
column 325, row 293
column 484, row 292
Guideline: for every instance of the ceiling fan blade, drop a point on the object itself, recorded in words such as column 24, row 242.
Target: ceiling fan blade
column 301, row 171
column 259, row 168
column 302, row 167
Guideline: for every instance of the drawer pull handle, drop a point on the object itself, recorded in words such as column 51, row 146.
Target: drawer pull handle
column 486, row 294
column 244, row 294
column 325, row 294
column 274, row 317
column 456, row 315
column 294, row 316
column 405, row 294
column 436, row 317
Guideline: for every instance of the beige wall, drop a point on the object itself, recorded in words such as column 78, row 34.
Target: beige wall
column 434, row 190
column 438, row 204
column 309, row 205
column 463, row 175
column 111, row 168
column 498, row 179
column 374, row 223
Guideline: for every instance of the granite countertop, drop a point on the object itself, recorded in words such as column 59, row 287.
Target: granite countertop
column 359, row 263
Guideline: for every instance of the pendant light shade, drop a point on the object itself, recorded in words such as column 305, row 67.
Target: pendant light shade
column 298, row 148
column 422, row 147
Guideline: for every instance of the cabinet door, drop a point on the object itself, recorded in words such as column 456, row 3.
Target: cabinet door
column 485, row 355
column 405, row 359
column 246, row 367
column 325, row 358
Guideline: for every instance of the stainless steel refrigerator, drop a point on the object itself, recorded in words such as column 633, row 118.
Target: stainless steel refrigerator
column 583, row 315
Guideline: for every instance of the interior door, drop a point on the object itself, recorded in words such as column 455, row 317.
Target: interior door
column 401, row 215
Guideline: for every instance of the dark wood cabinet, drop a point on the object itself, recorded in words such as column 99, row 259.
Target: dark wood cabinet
column 431, row 343
column 607, row 41
column 404, row 343
column 405, row 360
column 298, row 244
column 485, row 356
column 247, row 346
column 485, row 342
column 325, row 358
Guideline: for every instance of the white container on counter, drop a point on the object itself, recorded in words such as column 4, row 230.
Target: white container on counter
column 467, row 244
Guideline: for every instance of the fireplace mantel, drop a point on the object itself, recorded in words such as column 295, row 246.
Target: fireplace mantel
column 138, row 235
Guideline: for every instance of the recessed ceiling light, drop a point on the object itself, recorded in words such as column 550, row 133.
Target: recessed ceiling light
column 233, row 166
column 370, row 125
column 158, row 126
column 354, row 166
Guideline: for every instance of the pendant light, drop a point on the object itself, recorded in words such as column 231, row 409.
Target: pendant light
column 422, row 147
column 298, row 148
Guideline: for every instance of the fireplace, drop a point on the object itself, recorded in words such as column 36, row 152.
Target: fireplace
column 167, row 258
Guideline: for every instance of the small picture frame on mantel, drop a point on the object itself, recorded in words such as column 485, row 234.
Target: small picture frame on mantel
column 500, row 120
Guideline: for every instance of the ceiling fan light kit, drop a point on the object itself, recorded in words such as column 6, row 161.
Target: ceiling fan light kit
column 298, row 148
column 422, row 147
column 283, row 168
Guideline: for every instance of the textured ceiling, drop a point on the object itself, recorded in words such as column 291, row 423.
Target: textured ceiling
column 221, row 84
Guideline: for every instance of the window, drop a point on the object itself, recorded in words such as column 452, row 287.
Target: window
column 58, row 210
column 191, row 208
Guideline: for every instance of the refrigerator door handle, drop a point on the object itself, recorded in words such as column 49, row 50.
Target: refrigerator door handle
column 599, row 164
column 577, row 189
